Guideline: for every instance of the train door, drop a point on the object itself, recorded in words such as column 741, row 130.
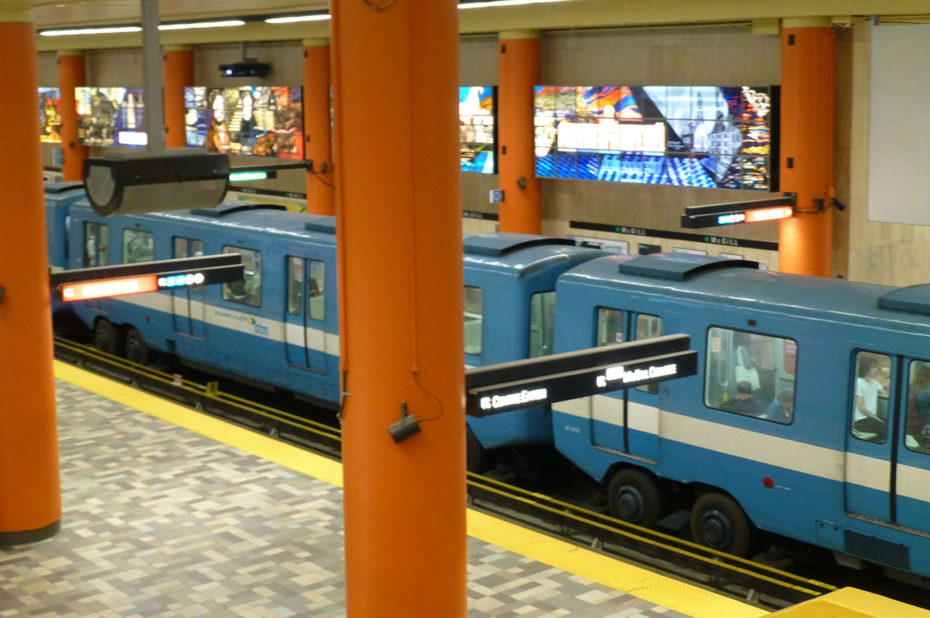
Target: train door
column 870, row 447
column 187, row 302
column 629, row 423
column 306, row 313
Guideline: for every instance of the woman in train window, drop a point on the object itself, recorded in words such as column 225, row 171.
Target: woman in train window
column 865, row 402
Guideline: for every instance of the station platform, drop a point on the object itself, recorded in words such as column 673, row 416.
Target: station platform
column 170, row 512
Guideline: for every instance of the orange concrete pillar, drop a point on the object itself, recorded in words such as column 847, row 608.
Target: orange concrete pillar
column 71, row 74
column 398, row 210
column 518, row 71
column 317, row 126
column 178, row 65
column 30, row 496
column 805, row 243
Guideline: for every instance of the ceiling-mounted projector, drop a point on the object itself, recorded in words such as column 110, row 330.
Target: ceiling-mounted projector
column 246, row 68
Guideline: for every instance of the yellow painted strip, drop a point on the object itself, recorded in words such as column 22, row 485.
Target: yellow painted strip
column 640, row 582
column 637, row 581
column 267, row 448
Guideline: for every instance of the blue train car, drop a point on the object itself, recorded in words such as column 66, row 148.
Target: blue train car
column 509, row 314
column 805, row 418
column 292, row 340
column 278, row 326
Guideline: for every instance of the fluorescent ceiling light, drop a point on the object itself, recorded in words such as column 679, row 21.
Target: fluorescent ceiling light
column 296, row 18
column 483, row 5
column 203, row 24
column 125, row 29
column 80, row 31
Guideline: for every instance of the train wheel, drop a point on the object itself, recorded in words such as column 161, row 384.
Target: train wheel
column 633, row 496
column 718, row 522
column 136, row 349
column 106, row 337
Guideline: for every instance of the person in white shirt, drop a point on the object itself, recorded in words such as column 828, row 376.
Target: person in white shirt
column 865, row 402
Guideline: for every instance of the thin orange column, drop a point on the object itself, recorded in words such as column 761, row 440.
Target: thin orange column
column 178, row 75
column 805, row 243
column 30, row 496
column 518, row 72
column 71, row 74
column 398, row 210
column 317, row 125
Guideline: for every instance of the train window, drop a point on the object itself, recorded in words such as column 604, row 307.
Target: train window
column 95, row 244
column 609, row 326
column 542, row 314
column 473, row 319
column 295, row 285
column 917, row 427
column 316, row 286
column 249, row 290
column 870, row 397
column 187, row 247
column 647, row 327
column 138, row 246
column 750, row 374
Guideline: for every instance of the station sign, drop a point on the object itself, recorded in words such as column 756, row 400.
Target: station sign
column 542, row 381
column 141, row 277
column 753, row 211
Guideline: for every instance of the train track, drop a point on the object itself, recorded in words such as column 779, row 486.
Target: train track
column 751, row 581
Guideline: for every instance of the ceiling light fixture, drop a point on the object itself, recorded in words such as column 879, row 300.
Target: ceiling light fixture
column 203, row 24
column 484, row 5
column 86, row 31
column 291, row 19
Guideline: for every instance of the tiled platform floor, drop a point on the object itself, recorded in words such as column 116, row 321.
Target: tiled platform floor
column 159, row 521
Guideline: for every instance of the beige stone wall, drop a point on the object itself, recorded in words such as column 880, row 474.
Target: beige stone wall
column 888, row 253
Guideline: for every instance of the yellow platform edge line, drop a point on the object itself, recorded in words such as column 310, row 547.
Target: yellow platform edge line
column 640, row 582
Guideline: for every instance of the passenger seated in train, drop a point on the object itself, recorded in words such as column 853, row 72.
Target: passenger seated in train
column 782, row 409
column 744, row 401
column 867, row 424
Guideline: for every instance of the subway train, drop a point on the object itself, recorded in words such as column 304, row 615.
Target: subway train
column 807, row 417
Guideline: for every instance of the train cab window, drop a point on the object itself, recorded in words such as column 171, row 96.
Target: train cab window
column 473, row 319
column 870, row 397
column 249, row 290
column 750, row 374
column 609, row 326
column 138, row 246
column 95, row 244
column 647, row 327
column 316, row 287
column 542, row 318
column 917, row 426
column 187, row 247
column 295, row 285
column 313, row 281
